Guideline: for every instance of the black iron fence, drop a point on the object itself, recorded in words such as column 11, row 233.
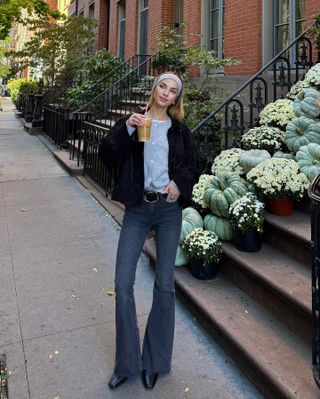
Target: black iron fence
column 58, row 124
column 240, row 111
column 93, row 167
column 314, row 194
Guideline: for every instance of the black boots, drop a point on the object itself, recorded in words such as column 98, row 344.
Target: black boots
column 149, row 379
column 116, row 380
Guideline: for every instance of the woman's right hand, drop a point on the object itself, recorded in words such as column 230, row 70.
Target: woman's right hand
column 136, row 120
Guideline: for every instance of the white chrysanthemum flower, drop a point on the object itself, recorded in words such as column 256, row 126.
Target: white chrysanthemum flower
column 228, row 161
column 246, row 213
column 313, row 76
column 202, row 244
column 263, row 138
column 279, row 178
column 278, row 113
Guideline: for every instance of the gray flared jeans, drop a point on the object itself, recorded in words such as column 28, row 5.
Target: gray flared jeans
column 165, row 219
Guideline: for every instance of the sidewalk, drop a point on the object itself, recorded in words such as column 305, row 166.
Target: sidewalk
column 57, row 254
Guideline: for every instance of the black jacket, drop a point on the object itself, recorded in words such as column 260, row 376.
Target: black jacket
column 118, row 148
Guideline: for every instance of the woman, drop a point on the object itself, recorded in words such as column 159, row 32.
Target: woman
column 155, row 181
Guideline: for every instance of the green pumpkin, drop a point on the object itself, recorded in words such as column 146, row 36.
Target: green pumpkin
column 220, row 226
column 307, row 103
column 285, row 155
column 302, row 131
column 191, row 219
column 308, row 158
column 181, row 257
column 249, row 159
column 222, row 190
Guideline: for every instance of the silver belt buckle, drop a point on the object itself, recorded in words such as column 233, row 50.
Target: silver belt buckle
column 151, row 196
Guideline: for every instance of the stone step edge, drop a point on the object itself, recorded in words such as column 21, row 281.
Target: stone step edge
column 62, row 156
column 271, row 285
column 276, row 223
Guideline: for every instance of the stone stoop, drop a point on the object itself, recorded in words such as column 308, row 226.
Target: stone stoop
column 259, row 309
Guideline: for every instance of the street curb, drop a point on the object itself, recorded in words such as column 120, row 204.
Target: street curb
column 62, row 157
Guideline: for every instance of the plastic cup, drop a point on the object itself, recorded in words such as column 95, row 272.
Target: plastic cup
column 144, row 130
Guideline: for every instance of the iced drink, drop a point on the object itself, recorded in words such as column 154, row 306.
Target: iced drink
column 144, row 130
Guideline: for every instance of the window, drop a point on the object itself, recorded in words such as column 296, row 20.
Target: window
column 122, row 29
column 91, row 10
column 216, row 13
column 143, row 31
column 289, row 22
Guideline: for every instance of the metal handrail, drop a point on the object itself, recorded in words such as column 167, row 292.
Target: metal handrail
column 312, row 189
column 246, row 84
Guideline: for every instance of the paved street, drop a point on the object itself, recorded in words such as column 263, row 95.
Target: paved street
column 57, row 255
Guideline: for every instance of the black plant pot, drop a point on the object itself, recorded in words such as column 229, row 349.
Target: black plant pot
column 203, row 270
column 247, row 241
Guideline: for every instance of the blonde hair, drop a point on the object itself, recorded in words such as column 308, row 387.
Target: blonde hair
column 176, row 110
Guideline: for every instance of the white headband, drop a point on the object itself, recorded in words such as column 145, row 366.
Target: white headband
column 173, row 77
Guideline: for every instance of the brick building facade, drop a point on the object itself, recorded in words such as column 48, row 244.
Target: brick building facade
column 252, row 31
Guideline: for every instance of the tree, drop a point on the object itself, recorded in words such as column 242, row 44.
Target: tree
column 10, row 11
column 5, row 67
column 58, row 49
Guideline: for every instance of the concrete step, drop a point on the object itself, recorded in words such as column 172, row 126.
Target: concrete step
column 132, row 105
column 274, row 358
column 290, row 234
column 119, row 112
column 274, row 280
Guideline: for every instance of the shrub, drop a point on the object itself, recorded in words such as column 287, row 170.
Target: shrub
column 22, row 87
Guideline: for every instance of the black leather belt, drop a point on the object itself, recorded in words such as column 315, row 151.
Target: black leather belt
column 153, row 196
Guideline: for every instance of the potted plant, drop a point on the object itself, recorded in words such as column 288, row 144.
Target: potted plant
column 246, row 216
column 278, row 113
column 204, row 250
column 279, row 181
column 263, row 137
column 228, row 161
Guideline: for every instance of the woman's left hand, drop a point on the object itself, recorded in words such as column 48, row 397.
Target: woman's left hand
column 172, row 191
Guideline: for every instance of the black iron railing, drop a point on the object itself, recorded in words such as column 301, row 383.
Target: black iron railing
column 314, row 194
column 240, row 111
column 93, row 167
column 57, row 124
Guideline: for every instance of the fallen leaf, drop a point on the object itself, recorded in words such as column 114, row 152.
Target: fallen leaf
column 110, row 293
column 187, row 389
column 23, row 210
